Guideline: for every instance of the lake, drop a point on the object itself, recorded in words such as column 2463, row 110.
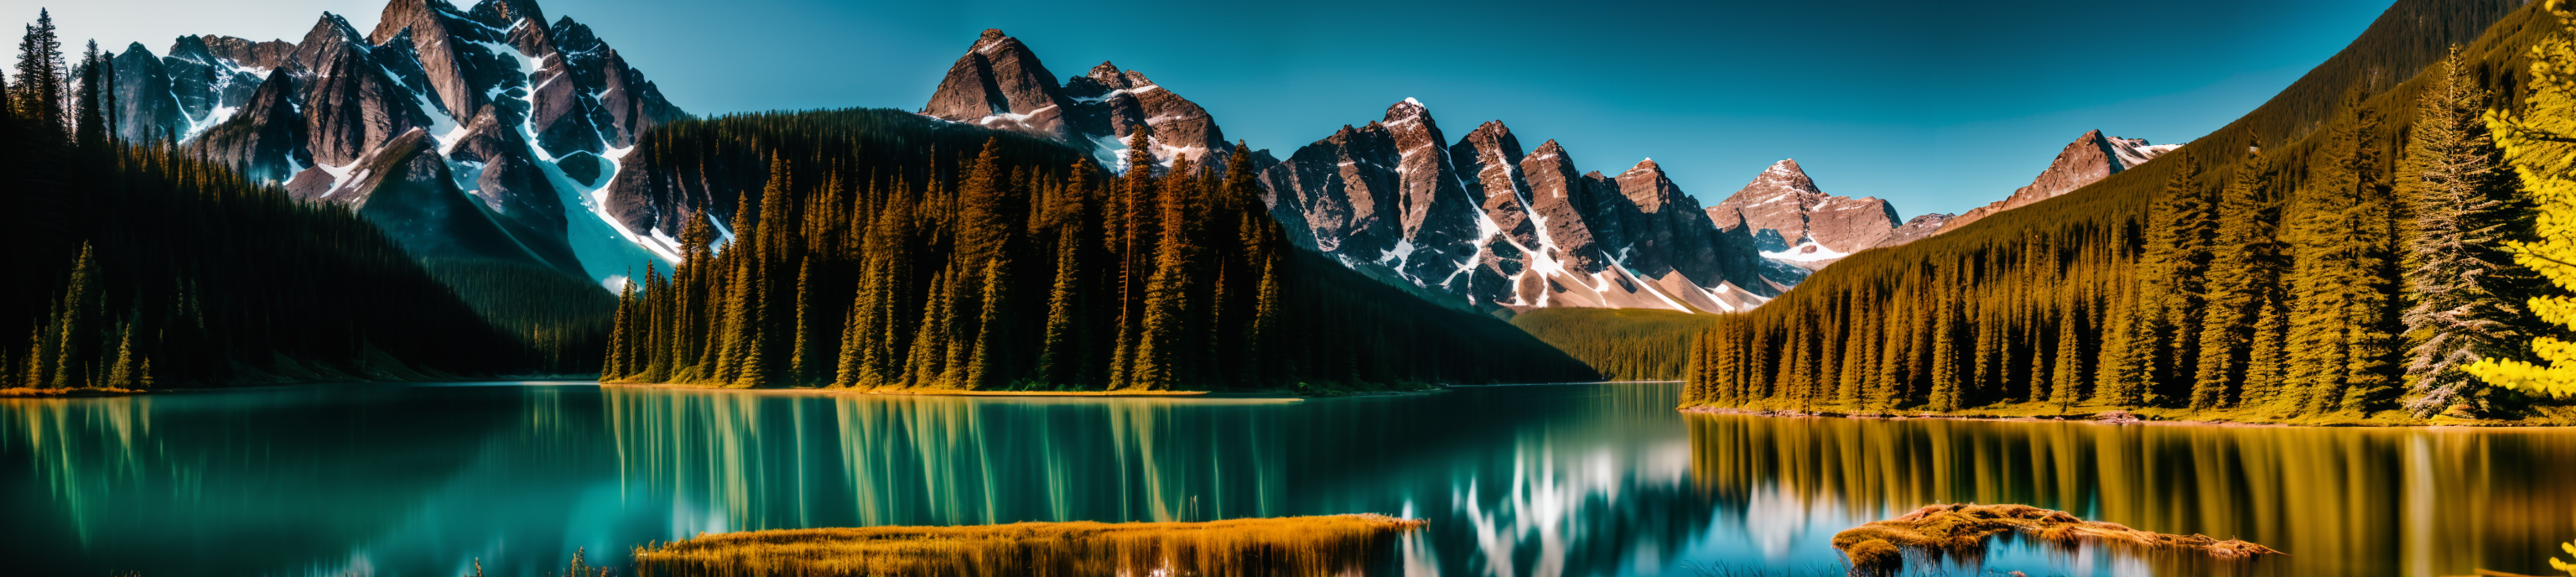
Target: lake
column 1522, row 481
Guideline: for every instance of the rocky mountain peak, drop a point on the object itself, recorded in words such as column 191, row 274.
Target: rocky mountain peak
column 1000, row 83
column 1408, row 109
column 329, row 37
column 1795, row 222
column 2089, row 159
column 1649, row 188
column 1107, row 75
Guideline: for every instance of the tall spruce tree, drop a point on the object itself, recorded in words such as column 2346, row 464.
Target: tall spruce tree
column 2249, row 267
column 41, row 74
column 2341, row 346
column 2457, row 273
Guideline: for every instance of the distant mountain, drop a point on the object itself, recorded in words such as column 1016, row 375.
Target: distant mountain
column 2091, row 158
column 477, row 133
column 1504, row 229
column 999, row 83
column 1794, row 222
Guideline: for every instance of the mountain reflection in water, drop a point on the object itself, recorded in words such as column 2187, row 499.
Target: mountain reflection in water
column 1531, row 481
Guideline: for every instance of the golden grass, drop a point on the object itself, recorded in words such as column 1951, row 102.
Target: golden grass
column 24, row 392
column 1290, row 546
column 1878, row 547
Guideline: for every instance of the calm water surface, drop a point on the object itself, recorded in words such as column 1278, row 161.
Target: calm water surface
column 1530, row 481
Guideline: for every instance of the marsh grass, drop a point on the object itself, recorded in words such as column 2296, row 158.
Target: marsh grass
column 1880, row 548
column 1285, row 547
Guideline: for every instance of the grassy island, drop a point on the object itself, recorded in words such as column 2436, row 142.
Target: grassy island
column 1289, row 546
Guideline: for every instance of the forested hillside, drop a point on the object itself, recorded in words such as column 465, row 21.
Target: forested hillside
column 2335, row 252
column 135, row 267
column 1624, row 344
column 886, row 250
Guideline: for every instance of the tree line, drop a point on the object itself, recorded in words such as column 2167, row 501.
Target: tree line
column 2357, row 268
column 887, row 250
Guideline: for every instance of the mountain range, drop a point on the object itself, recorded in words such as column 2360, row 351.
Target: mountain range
column 479, row 133
column 489, row 133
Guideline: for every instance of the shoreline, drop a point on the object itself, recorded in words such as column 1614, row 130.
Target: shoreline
column 1277, row 395
column 2115, row 417
column 73, row 393
column 1177, row 395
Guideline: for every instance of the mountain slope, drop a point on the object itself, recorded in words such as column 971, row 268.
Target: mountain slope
column 2091, row 158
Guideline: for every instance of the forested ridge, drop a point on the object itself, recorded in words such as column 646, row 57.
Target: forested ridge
column 2317, row 257
column 886, row 250
column 1624, row 344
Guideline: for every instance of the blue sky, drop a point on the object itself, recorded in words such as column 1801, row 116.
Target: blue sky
column 1936, row 106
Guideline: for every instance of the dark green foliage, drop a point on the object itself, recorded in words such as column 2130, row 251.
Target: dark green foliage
column 566, row 319
column 2211, row 278
column 954, row 257
column 140, row 266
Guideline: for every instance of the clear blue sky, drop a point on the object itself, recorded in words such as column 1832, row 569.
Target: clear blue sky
column 1937, row 106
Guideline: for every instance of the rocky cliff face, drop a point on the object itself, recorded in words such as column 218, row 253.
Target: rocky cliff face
column 1481, row 219
column 2091, row 158
column 1000, row 83
column 523, row 121
column 1794, row 222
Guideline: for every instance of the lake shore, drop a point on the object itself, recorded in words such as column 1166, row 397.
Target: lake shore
column 75, row 393
column 1319, row 545
column 2045, row 413
column 1177, row 395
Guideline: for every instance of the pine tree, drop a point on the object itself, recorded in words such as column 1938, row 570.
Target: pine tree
column 805, row 367
column 2121, row 377
column 2455, row 269
column 40, row 74
column 2340, row 345
column 90, row 129
column 80, row 309
column 990, row 366
column 2245, row 218
column 1165, row 324
column 122, row 374
column 2540, row 143
column 2174, row 268
column 1057, row 353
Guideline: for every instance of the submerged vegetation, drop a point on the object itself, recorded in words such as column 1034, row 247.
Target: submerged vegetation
column 885, row 250
column 1932, row 531
column 1291, row 546
column 2319, row 258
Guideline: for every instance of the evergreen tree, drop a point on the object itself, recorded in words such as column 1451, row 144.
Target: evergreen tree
column 2340, row 345
column 40, row 75
column 1057, row 353
column 2250, row 267
column 2455, row 269
column 2174, row 284
column 79, row 311
column 90, row 129
column 2540, row 143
